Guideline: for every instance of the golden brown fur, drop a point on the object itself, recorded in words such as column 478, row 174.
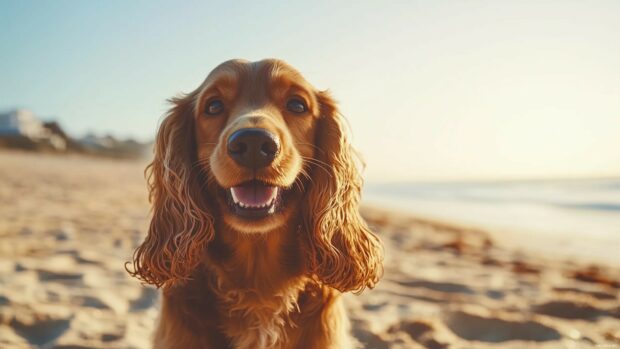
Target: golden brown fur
column 273, row 283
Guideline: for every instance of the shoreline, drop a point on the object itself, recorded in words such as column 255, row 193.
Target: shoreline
column 554, row 244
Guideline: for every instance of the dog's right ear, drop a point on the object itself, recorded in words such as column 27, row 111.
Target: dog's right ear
column 181, row 226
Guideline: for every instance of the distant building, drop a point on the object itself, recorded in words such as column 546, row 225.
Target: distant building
column 93, row 141
column 23, row 124
column 22, row 129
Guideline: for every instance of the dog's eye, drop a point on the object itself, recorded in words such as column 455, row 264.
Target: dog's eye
column 214, row 107
column 296, row 105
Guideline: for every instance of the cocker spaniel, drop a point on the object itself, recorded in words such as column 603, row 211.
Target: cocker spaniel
column 255, row 228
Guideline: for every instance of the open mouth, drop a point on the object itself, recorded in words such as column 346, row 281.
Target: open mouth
column 254, row 199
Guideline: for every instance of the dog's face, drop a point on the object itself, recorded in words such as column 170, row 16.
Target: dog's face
column 255, row 129
column 257, row 149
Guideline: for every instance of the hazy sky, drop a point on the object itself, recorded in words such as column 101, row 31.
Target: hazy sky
column 432, row 89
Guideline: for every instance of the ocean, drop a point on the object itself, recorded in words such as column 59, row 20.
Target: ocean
column 577, row 218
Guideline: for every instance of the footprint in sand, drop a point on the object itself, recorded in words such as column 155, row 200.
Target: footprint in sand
column 374, row 306
column 59, row 276
column 447, row 287
column 40, row 328
column 368, row 338
column 573, row 310
column 102, row 301
column 148, row 298
column 421, row 332
column 494, row 330
column 596, row 294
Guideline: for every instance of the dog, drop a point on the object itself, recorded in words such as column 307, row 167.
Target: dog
column 255, row 230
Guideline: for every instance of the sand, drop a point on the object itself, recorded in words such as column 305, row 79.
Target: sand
column 69, row 223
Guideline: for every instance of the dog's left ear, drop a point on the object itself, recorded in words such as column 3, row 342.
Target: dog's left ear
column 342, row 251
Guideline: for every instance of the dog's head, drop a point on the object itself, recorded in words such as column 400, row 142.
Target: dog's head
column 261, row 149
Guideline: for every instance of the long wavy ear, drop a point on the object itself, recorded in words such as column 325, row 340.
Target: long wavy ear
column 342, row 251
column 181, row 225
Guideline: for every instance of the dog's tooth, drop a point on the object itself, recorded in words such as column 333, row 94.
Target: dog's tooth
column 234, row 197
column 267, row 204
column 274, row 193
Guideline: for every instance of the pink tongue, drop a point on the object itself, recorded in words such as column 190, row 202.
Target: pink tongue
column 254, row 194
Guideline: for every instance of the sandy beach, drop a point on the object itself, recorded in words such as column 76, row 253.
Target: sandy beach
column 69, row 223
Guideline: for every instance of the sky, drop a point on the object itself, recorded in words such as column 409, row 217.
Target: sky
column 432, row 90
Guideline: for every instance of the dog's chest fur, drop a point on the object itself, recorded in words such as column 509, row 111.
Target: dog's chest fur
column 257, row 308
column 255, row 320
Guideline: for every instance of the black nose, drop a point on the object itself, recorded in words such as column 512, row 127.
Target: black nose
column 253, row 147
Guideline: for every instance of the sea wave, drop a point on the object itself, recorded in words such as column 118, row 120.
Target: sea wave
column 588, row 194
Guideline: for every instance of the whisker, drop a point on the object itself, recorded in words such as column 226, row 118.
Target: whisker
column 298, row 181
column 200, row 165
column 297, row 185
column 316, row 160
column 312, row 145
column 319, row 164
